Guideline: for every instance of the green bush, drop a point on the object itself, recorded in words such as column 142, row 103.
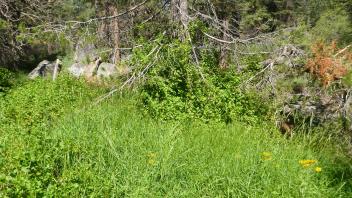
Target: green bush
column 27, row 113
column 42, row 100
column 333, row 25
column 175, row 89
column 6, row 80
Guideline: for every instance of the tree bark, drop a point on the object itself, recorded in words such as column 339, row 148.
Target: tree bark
column 223, row 49
column 109, row 30
column 102, row 10
column 174, row 10
column 179, row 13
column 115, row 31
column 290, row 5
column 184, row 13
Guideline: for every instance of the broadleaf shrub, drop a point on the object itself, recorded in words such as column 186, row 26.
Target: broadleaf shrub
column 174, row 88
column 43, row 100
column 30, row 162
column 6, row 79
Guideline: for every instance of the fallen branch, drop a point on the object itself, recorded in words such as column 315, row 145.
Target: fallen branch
column 219, row 40
column 342, row 51
column 56, row 69
column 270, row 65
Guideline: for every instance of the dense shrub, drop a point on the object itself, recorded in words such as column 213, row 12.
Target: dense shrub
column 6, row 79
column 333, row 25
column 175, row 89
column 42, row 100
column 27, row 114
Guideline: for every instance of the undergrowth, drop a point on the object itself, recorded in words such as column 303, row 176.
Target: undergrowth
column 54, row 143
column 41, row 101
column 7, row 79
column 198, row 132
column 112, row 150
column 176, row 88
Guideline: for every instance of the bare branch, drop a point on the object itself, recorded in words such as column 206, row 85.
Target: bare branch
column 107, row 17
column 342, row 51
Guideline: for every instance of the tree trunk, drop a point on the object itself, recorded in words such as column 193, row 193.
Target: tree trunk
column 223, row 49
column 184, row 13
column 109, row 30
column 179, row 14
column 290, row 5
column 115, row 31
column 174, row 10
column 101, row 11
column 102, row 27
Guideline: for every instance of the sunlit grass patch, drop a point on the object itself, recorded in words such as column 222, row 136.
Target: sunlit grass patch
column 112, row 149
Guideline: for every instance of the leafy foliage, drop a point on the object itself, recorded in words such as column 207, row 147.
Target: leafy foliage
column 6, row 79
column 42, row 100
column 174, row 88
column 51, row 146
column 258, row 21
column 333, row 25
column 26, row 112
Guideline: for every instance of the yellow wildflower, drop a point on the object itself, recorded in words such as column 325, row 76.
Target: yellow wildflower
column 238, row 156
column 151, row 155
column 151, row 158
column 307, row 163
column 318, row 169
column 266, row 156
column 151, row 162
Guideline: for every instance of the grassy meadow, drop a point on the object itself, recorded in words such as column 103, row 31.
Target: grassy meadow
column 113, row 150
column 176, row 98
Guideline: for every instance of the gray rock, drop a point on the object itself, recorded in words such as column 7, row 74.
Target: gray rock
column 90, row 70
column 44, row 68
column 85, row 53
column 124, row 70
column 106, row 70
column 77, row 69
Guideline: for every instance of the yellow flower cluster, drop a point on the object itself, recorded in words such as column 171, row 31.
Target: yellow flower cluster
column 151, row 158
column 267, row 156
column 304, row 163
column 309, row 163
column 318, row 169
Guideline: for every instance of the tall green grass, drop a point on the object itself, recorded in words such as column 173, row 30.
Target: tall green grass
column 112, row 150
